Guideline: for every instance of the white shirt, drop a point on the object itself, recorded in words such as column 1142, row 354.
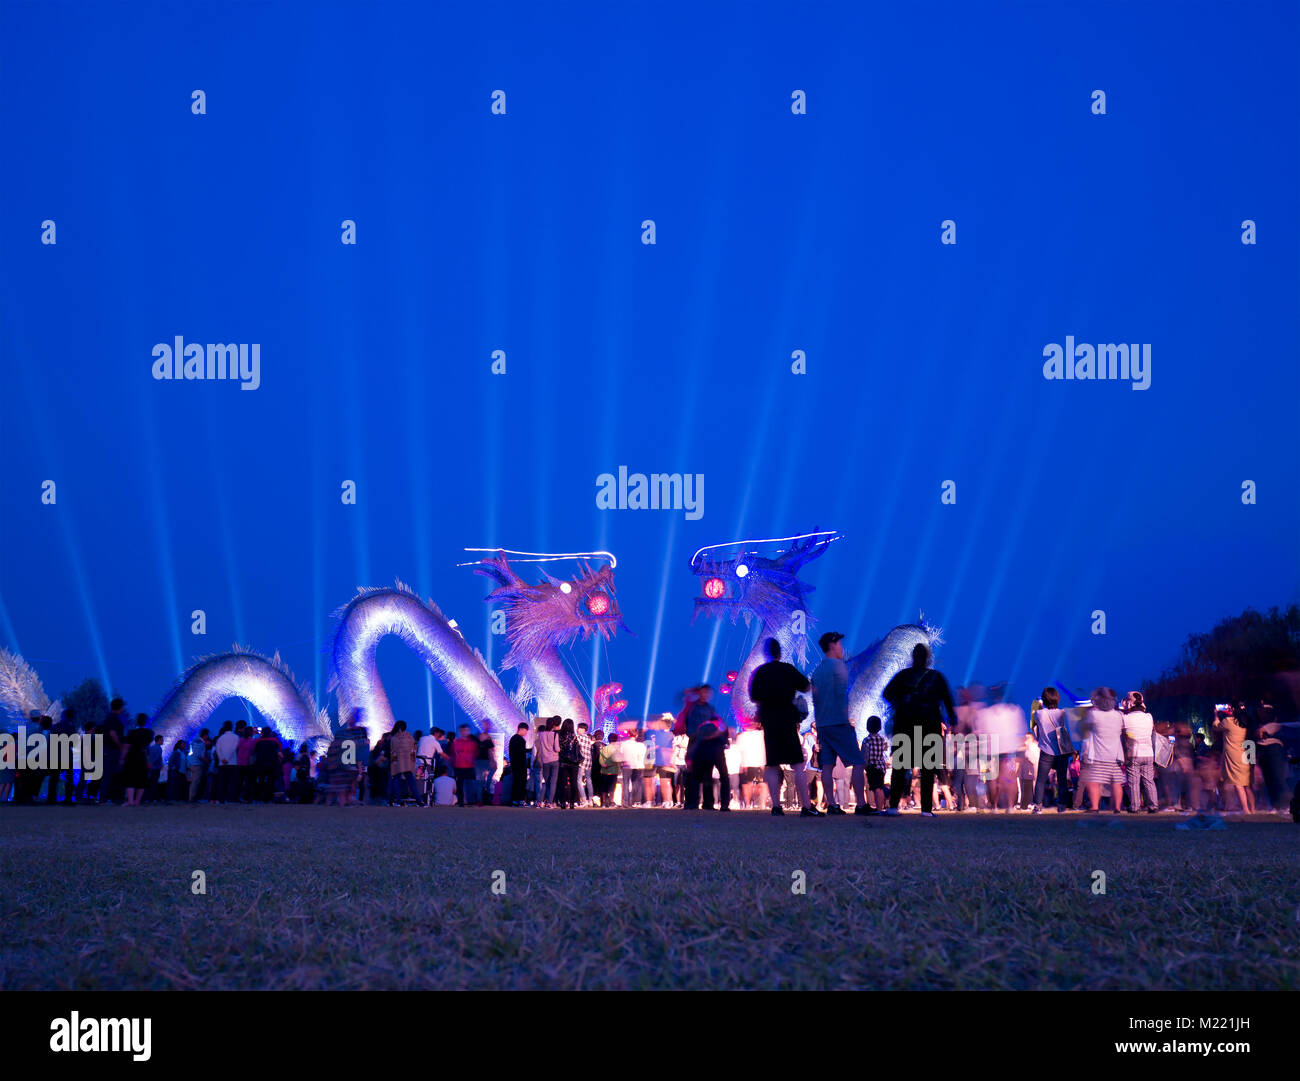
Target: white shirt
column 226, row 747
column 444, row 791
column 1104, row 728
column 680, row 743
column 428, row 748
column 1005, row 726
column 732, row 757
column 633, row 753
column 1033, row 752
column 1138, row 727
column 753, row 755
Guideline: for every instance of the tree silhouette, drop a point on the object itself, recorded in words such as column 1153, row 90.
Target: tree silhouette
column 1244, row 656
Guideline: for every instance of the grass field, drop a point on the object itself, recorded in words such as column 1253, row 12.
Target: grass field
column 316, row 897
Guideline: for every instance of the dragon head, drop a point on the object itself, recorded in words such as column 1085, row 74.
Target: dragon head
column 753, row 586
column 553, row 612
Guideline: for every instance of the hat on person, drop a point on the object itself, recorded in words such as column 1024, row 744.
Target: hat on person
column 826, row 639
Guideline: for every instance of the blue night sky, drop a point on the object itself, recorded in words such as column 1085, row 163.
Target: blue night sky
column 522, row 232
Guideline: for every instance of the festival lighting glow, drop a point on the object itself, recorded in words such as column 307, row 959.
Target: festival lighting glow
column 607, row 707
column 376, row 613
column 665, row 573
column 742, row 569
column 769, row 594
column 565, row 587
column 264, row 683
column 543, row 617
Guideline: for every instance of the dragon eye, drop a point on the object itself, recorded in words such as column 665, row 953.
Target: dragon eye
column 598, row 603
column 714, row 588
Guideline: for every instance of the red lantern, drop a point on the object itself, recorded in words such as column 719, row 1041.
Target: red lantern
column 714, row 588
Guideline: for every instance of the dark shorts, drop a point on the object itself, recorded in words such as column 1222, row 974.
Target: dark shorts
column 781, row 742
column 751, row 774
column 840, row 741
column 875, row 778
column 667, row 773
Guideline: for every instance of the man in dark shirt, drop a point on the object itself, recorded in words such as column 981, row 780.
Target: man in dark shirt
column 61, row 733
column 917, row 695
column 705, row 752
column 699, row 710
column 518, row 752
column 356, row 741
column 485, row 762
column 772, row 688
column 114, row 731
column 266, row 764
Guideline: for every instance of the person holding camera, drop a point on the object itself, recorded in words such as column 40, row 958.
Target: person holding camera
column 1236, row 770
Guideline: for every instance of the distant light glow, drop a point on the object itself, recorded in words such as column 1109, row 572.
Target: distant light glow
column 726, row 688
column 714, row 588
column 742, row 569
column 565, row 587
column 732, row 677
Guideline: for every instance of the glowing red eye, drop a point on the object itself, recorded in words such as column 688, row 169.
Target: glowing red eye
column 732, row 676
column 726, row 688
column 714, row 588
column 598, row 604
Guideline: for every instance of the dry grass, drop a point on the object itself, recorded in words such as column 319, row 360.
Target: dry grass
column 315, row 897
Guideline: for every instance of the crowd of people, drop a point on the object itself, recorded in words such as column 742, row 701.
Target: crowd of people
column 962, row 754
